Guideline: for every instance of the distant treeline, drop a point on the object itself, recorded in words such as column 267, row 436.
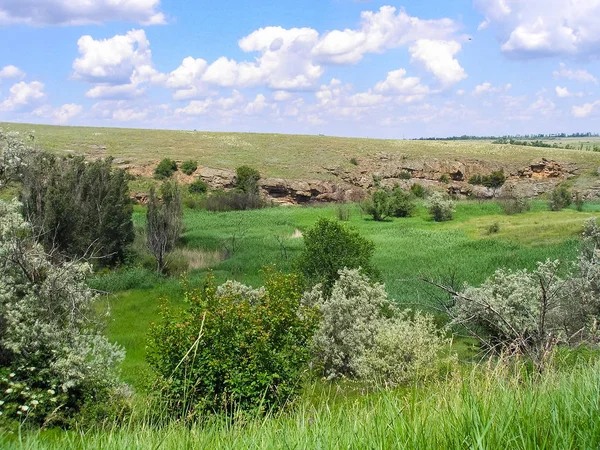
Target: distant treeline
column 516, row 137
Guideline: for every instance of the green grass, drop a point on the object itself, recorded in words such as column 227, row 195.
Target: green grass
column 477, row 410
column 406, row 249
column 277, row 155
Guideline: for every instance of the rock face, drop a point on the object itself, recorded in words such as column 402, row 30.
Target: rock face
column 290, row 191
column 218, row 178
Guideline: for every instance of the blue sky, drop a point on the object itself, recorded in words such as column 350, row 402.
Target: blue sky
column 339, row 67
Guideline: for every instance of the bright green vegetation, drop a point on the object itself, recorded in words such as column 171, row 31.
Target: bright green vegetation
column 405, row 249
column 277, row 155
column 477, row 410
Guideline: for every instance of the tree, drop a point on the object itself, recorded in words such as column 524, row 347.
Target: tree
column 53, row 356
column 330, row 246
column 165, row 169
column 246, row 180
column 163, row 222
column 77, row 208
column 379, row 206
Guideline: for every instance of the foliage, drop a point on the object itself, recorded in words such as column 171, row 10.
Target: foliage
column 234, row 348
column 354, row 161
column 405, row 175
column 493, row 228
column 418, row 190
column 402, row 203
column 362, row 334
column 53, row 356
column 198, row 187
column 440, row 207
column 579, row 201
column 78, row 208
column 246, row 180
column 189, row 166
column 13, row 155
column 165, row 169
column 234, row 201
column 330, row 246
column 164, row 222
column 515, row 205
column 493, row 181
column 560, row 198
column 444, row 179
column 379, row 205
column 343, row 212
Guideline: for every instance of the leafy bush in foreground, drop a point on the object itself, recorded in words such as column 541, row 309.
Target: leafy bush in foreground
column 330, row 246
column 363, row 335
column 440, row 207
column 54, row 359
column 235, row 348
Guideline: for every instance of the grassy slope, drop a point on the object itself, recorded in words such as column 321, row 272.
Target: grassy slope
column 405, row 249
column 277, row 155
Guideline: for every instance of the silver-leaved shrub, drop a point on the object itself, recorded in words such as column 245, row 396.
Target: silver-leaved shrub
column 53, row 356
column 441, row 207
column 363, row 335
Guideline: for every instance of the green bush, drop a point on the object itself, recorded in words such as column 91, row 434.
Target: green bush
column 234, row 349
column 494, row 181
column 330, row 246
column 343, row 212
column 198, row 187
column 444, row 179
column 379, row 206
column 165, row 169
column 418, row 190
column 440, row 207
column 189, row 167
column 405, row 175
column 354, row 161
column 402, row 203
column 246, row 180
column 579, row 201
column 515, row 205
column 234, row 201
column 363, row 335
column 560, row 198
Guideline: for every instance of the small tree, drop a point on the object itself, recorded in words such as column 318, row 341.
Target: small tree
column 189, row 167
column 165, row 169
column 440, row 207
column 164, row 222
column 379, row 206
column 329, row 246
column 560, row 198
column 246, row 180
column 402, row 203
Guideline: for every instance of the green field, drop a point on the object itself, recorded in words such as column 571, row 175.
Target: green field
column 276, row 155
column 406, row 249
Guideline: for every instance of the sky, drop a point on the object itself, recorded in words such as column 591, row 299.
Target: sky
column 381, row 69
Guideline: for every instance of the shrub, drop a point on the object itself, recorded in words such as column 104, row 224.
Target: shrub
column 354, row 161
column 405, row 175
column 165, row 169
column 515, row 205
column 53, row 356
column 233, row 349
column 493, row 228
column 189, row 167
column 579, row 201
column 246, row 180
column 444, row 179
column 363, row 335
column 379, row 206
column 494, row 181
column 329, row 246
column 440, row 207
column 560, row 198
column 234, row 201
column 418, row 190
column 81, row 209
column 402, row 203
column 198, row 187
column 343, row 212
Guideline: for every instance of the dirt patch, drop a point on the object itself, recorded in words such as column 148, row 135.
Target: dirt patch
column 297, row 234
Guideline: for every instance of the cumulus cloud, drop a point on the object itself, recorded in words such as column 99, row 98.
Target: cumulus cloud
column 585, row 110
column 11, row 72
column 397, row 82
column 118, row 67
column 72, row 12
column 536, row 28
column 438, row 58
column 488, row 88
column 574, row 74
column 24, row 96
column 61, row 115
column 223, row 106
column 563, row 92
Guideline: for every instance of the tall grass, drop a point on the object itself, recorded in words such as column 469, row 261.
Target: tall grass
column 484, row 409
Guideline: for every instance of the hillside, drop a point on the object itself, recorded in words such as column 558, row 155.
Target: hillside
column 322, row 158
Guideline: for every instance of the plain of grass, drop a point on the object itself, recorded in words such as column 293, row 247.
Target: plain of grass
column 478, row 409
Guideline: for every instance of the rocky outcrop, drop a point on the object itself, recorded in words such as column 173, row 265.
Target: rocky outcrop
column 290, row 191
column 218, row 178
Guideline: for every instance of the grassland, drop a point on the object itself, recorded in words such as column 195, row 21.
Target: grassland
column 277, row 155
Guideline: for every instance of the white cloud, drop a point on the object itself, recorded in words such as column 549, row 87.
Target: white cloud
column 545, row 27
column 585, row 110
column 488, row 88
column 66, row 112
column 563, row 92
column 399, row 83
column 224, row 106
column 379, row 31
column 11, row 72
column 23, row 96
column 259, row 105
column 119, row 67
column 438, row 58
column 282, row 96
column 77, row 12
column 575, row 75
